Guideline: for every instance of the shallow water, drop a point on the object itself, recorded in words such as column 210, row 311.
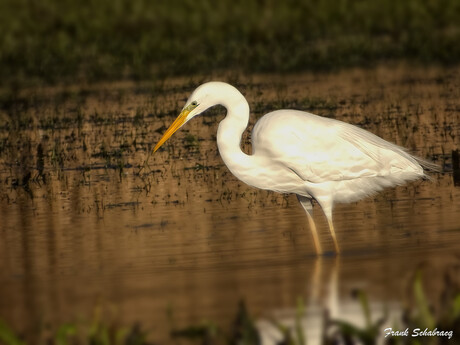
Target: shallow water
column 87, row 220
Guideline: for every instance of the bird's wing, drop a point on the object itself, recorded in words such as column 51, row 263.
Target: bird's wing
column 319, row 149
column 375, row 147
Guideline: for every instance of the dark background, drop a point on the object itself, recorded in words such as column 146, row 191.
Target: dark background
column 66, row 41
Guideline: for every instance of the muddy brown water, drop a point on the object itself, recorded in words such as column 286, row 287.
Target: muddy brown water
column 91, row 220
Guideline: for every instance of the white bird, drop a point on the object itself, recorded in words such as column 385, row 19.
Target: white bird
column 297, row 152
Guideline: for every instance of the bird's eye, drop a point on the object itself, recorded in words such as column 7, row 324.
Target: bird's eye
column 194, row 103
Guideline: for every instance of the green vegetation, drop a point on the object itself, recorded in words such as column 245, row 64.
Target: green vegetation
column 97, row 333
column 244, row 331
column 66, row 41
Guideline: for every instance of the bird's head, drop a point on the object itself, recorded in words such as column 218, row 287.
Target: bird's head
column 204, row 97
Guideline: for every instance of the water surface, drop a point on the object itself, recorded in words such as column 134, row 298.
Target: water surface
column 90, row 218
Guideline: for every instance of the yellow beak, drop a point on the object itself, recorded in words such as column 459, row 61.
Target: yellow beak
column 173, row 128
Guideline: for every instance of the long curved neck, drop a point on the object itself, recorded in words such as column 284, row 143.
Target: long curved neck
column 229, row 139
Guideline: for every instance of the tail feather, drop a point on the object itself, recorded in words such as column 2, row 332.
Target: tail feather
column 428, row 165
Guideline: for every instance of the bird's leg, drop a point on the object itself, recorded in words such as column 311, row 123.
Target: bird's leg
column 331, row 228
column 326, row 204
column 308, row 207
column 314, row 233
column 328, row 213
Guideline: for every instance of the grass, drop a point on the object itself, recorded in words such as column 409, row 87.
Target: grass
column 243, row 330
column 96, row 333
column 55, row 42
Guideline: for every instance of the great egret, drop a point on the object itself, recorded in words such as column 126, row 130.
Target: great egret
column 297, row 152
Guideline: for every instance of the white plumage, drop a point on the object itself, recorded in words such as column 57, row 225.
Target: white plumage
column 297, row 152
